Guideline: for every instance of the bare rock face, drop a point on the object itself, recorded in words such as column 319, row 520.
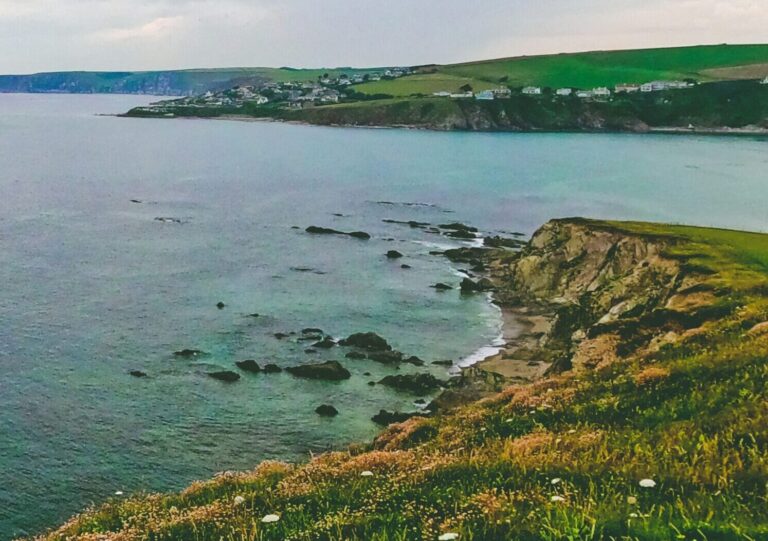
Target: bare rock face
column 608, row 291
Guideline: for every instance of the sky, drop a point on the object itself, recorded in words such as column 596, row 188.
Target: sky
column 54, row 35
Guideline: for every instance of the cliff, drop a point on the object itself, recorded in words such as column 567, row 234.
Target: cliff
column 652, row 424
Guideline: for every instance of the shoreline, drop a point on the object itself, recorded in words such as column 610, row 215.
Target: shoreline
column 658, row 130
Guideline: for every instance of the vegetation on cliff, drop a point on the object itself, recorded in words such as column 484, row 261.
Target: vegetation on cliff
column 651, row 424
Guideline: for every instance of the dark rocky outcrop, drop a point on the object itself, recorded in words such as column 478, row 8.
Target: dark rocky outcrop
column 369, row 341
column 189, row 353
column 330, row 370
column 470, row 286
column 312, row 330
column 414, row 360
column 415, row 383
column 405, row 266
column 325, row 343
column 385, row 417
column 220, row 305
column 248, row 365
column 225, row 375
column 394, row 254
column 386, row 357
column 410, row 223
column 355, row 355
column 138, row 374
column 441, row 286
column 271, row 368
column 326, row 411
column 446, row 362
column 503, row 242
column 327, row 231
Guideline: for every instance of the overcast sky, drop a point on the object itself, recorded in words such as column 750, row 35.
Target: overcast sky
column 49, row 35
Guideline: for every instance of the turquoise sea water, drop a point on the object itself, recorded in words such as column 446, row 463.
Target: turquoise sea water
column 92, row 286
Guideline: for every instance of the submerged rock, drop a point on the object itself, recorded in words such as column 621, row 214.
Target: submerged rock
column 415, row 383
column 280, row 335
column 327, row 231
column 189, row 353
column 366, row 340
column 404, row 266
column 138, row 374
column 458, row 226
column 248, row 366
column 327, row 411
column 225, row 375
column 414, row 360
column 220, row 305
column 446, row 362
column 355, row 355
column 330, row 370
column 311, row 330
column 441, row 286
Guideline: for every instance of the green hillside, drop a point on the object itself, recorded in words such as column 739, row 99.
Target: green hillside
column 591, row 69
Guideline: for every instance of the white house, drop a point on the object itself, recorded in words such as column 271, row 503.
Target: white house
column 584, row 94
column 764, row 81
column 442, row 94
column 502, row 93
column 261, row 100
column 627, row 87
column 462, row 95
column 532, row 90
column 564, row 91
column 601, row 92
column 485, row 95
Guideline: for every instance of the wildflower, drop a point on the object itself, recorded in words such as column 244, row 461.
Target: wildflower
column 647, row 483
column 631, row 500
column 448, row 537
column 239, row 500
column 270, row 518
column 557, row 499
column 366, row 473
column 556, row 481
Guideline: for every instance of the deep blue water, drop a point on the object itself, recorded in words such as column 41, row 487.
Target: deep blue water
column 92, row 286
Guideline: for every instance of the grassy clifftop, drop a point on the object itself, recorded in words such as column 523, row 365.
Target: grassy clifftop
column 651, row 425
column 705, row 63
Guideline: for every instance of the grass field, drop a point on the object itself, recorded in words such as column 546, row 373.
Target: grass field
column 670, row 445
column 424, row 83
column 592, row 69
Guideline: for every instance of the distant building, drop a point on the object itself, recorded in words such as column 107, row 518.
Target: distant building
column 532, row 90
column 764, row 81
column 502, row 93
column 261, row 100
column 485, row 95
column 657, row 86
column 627, row 87
column 462, row 95
column 585, row 94
column 442, row 94
column 564, row 91
column 601, row 92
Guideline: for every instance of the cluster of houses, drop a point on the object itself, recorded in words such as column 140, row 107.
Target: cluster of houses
column 601, row 92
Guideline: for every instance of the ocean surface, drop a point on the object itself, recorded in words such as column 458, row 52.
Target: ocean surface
column 93, row 286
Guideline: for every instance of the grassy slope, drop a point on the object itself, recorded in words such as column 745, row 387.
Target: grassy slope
column 692, row 417
column 591, row 69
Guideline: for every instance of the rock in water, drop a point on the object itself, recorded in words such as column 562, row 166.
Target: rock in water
column 138, row 374
column 355, row 355
column 271, row 369
column 470, row 286
column 394, row 254
column 414, row 360
column 441, row 286
column 386, row 357
column 325, row 343
column 330, row 370
column 327, row 231
column 366, row 340
column 415, row 383
column 189, row 353
column 248, row 366
column 327, row 411
column 225, row 375
column 220, row 305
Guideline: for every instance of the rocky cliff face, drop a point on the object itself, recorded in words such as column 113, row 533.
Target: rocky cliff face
column 609, row 293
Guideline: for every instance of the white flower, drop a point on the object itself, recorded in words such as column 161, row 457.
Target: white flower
column 448, row 537
column 239, row 500
column 270, row 518
column 557, row 499
column 366, row 473
column 647, row 483
column 119, row 493
column 631, row 500
column 633, row 515
column 556, row 481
